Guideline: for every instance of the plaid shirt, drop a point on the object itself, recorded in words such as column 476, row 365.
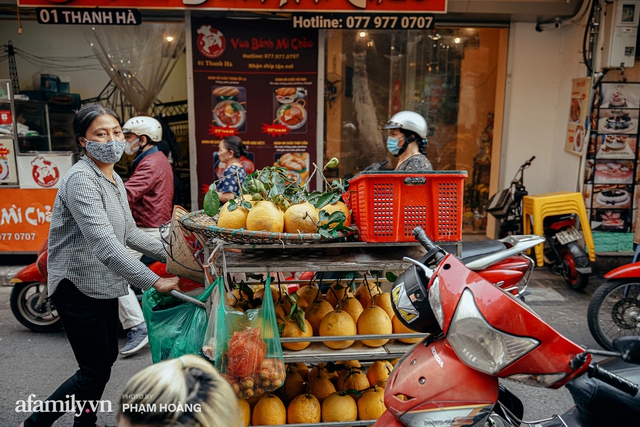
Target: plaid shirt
column 150, row 189
column 90, row 225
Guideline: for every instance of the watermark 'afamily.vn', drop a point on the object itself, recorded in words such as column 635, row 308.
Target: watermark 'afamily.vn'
column 77, row 407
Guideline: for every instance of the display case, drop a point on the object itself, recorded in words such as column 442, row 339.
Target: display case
column 32, row 121
column 8, row 171
column 31, row 168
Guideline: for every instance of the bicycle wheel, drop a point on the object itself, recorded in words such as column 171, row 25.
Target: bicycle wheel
column 614, row 311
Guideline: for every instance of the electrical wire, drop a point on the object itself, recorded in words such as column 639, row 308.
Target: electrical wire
column 65, row 63
column 587, row 53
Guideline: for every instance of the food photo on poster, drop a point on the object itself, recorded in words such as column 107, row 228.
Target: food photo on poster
column 612, row 196
column 616, row 146
column 610, row 220
column 290, row 108
column 620, row 95
column 618, row 121
column 261, row 82
column 613, row 172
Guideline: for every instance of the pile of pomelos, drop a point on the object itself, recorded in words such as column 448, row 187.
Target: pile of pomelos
column 325, row 392
column 272, row 201
column 332, row 392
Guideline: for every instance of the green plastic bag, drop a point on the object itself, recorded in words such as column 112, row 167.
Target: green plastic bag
column 248, row 348
column 175, row 327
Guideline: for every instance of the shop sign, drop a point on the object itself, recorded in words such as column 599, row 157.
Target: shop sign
column 360, row 21
column 42, row 170
column 258, row 82
column 367, row 6
column 81, row 16
column 25, row 216
column 8, row 172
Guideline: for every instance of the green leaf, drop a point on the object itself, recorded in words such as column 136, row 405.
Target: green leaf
column 391, row 277
column 232, row 205
column 279, row 184
column 354, row 392
column 326, row 199
column 332, row 163
column 299, row 317
column 211, row 203
column 246, row 204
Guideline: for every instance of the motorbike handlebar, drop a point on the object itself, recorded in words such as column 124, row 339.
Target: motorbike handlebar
column 613, row 380
column 432, row 249
column 421, row 237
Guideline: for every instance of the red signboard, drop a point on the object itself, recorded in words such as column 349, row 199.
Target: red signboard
column 416, row 6
column 25, row 216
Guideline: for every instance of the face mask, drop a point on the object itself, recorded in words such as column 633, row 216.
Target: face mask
column 109, row 152
column 128, row 148
column 392, row 145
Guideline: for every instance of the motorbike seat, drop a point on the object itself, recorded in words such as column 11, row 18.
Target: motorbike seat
column 474, row 250
column 603, row 404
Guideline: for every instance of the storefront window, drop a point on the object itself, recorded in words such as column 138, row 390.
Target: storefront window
column 449, row 75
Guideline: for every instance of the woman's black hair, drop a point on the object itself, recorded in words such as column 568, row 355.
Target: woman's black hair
column 411, row 136
column 235, row 145
column 86, row 116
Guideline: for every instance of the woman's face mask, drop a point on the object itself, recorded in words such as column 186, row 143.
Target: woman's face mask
column 128, row 148
column 393, row 144
column 105, row 152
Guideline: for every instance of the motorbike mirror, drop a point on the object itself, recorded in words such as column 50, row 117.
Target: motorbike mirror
column 629, row 348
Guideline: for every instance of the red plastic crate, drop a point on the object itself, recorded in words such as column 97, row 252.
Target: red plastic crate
column 387, row 206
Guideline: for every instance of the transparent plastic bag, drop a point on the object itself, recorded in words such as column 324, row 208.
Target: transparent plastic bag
column 209, row 342
column 248, row 349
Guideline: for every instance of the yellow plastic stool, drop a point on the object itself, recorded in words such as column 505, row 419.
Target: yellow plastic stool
column 536, row 208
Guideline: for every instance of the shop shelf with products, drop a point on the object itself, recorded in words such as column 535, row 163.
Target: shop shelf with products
column 32, row 121
column 357, row 257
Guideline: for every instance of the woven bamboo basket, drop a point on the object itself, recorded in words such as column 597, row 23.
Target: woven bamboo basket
column 201, row 223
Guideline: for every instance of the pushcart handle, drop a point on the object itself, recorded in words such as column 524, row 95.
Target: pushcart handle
column 187, row 298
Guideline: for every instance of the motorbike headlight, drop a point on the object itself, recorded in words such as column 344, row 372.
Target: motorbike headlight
column 480, row 345
column 435, row 301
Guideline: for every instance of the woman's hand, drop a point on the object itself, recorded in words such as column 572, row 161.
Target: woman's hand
column 166, row 284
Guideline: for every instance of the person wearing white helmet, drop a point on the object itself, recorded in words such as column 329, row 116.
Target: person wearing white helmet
column 150, row 195
column 407, row 140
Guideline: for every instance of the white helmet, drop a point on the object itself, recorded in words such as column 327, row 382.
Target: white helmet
column 143, row 125
column 408, row 120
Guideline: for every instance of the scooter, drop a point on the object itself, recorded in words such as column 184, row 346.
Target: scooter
column 478, row 334
column 31, row 305
column 614, row 309
column 563, row 255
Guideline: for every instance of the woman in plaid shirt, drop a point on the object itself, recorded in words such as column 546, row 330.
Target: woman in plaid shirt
column 89, row 264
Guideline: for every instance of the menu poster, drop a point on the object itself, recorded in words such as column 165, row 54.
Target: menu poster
column 611, row 168
column 256, row 79
column 576, row 134
column 8, row 172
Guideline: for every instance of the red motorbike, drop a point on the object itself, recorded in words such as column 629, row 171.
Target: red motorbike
column 31, row 305
column 479, row 333
column 614, row 309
